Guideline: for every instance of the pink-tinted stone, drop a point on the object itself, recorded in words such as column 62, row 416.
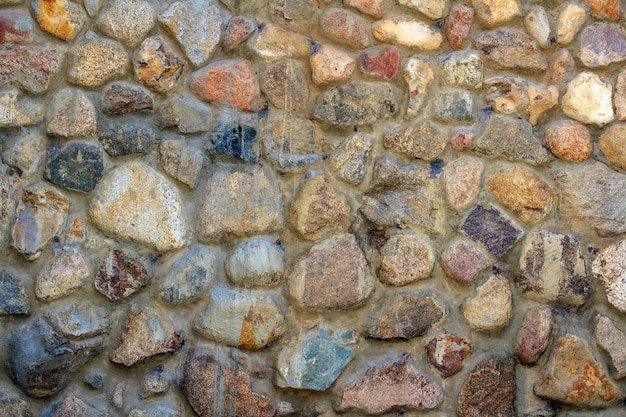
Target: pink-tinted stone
column 534, row 335
column 232, row 81
column 373, row 8
column 345, row 27
column 461, row 140
column 601, row 44
column 239, row 29
column 462, row 261
column 561, row 66
column 31, row 67
column 569, row 140
column 16, row 27
column 605, row 9
column 120, row 275
column 489, row 390
column 458, row 24
column 60, row 18
column 461, row 179
column 447, row 352
column 380, row 61
column 74, row 406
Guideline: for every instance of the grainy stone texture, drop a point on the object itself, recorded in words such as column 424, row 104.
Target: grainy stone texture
column 120, row 275
column 571, row 18
column 613, row 341
column 285, row 86
column 74, row 406
column 491, row 13
column 461, row 179
column 95, row 61
column 349, row 160
column 14, row 300
column 422, row 140
column 534, row 335
column 345, row 27
column 489, row 389
column 490, row 228
column 120, row 98
column 26, row 153
column 187, row 115
column 231, row 81
column 491, row 307
column 612, row 143
column 589, row 100
column 32, row 67
column 610, row 268
column 14, row 113
column 76, row 166
column 273, row 43
column 71, row 114
column 256, row 262
column 181, row 161
column 601, row 45
column 127, row 21
column 458, row 24
column 126, row 140
column 157, row 66
column 462, row 261
column 510, row 49
column 568, row 140
column 418, row 74
column 406, row 258
column 401, row 30
column 330, row 64
column 238, row 30
column 189, row 277
column 447, row 352
column 67, row 272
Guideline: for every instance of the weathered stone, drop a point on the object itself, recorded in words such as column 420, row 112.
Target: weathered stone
column 600, row 45
column 491, row 13
column 285, row 86
column 79, row 320
column 315, row 361
column 461, row 179
column 573, row 376
column 60, row 18
column 74, row 406
column 76, row 166
column 454, row 105
column 357, row 104
column 458, row 24
column 619, row 96
column 40, row 216
column 380, row 61
column 157, row 66
column 26, row 153
column 239, row 201
column 403, row 196
column 318, row 211
column 120, row 98
column 612, row 143
column 298, row 15
column 153, row 383
column 248, row 6
column 568, row 140
column 135, row 202
column 613, row 341
column 256, row 262
column 186, row 114
column 349, row 160
column 95, row 61
column 510, row 49
column 534, row 335
column 434, row 9
column 18, row 113
column 209, row 386
column 487, row 226
column 16, row 27
column 273, row 43
column 491, row 307
column 190, row 276
column 231, row 81
column 13, row 297
column 422, row 140
column 196, row 25
column 489, row 389
column 561, row 66
column 127, row 21
column 605, row 9
column 405, row 315
column 10, row 185
column 34, row 68
column 238, row 30
column 120, row 275
column 65, row 273
column 610, row 268
column 246, row 320
column 374, row 8
column 509, row 138
column 462, row 69
column 447, row 352
column 333, row 275
column 418, row 74
column 391, row 385
column 126, row 140
column 462, row 261
column 146, row 333
column 462, row 140
column 92, row 6
column 330, row 64
column 401, row 30
column 71, row 114
column 12, row 404
column 571, row 19
column 181, row 161
column 591, row 199
column 406, row 258
column 537, row 25
column 345, row 27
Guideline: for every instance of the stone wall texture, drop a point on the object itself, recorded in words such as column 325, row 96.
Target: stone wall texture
column 257, row 208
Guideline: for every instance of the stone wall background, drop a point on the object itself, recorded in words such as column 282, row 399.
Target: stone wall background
column 312, row 208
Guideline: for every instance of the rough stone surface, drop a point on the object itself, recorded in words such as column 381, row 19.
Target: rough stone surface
column 190, row 276
column 447, row 352
column 238, row 140
column 74, row 406
column 126, row 140
column 345, row 27
column 186, row 114
column 612, row 143
column 273, row 43
column 78, row 320
column 120, row 98
column 13, row 298
column 76, row 166
column 489, row 389
column 561, row 66
column 10, row 186
column 61, row 18
column 418, row 74
column 458, row 24
column 462, row 261
column 380, row 61
column 571, row 19
column 422, row 140
column 374, row 8
column 330, row 65
column 406, row 258
column 613, row 341
column 462, row 69
column 231, row 81
column 487, row 226
column 71, row 114
column 454, row 105
column 67, row 272
column 401, row 30
column 433, row 9
column 491, row 13
column 605, row 9
column 256, row 262
column 34, row 68
column 298, row 15
column 610, row 268
column 534, row 335
column 510, row 49
column 120, row 275
column 285, row 86
column 238, row 30
column 181, row 161
column 16, row 112
column 95, row 61
column 13, row 404
column 619, row 96
column 491, row 307
column 537, row 24
column 568, row 140
column 589, row 100
column 16, row 27
column 600, row 45
column 461, row 179
column 157, row 66
column 127, row 21
column 350, row 159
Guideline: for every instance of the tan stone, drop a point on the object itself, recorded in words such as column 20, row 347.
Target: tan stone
column 561, row 66
column 570, row 21
column 418, row 74
column 491, row 308
column 67, row 272
column 157, row 66
column 538, row 25
column 95, row 61
column 569, row 140
column 71, row 114
column 493, row 12
column 619, row 97
column 273, row 43
column 401, row 30
column 345, row 27
column 612, row 143
column 461, row 179
column 406, row 258
column 605, row 9
column 434, row 9
column 589, row 100
column 330, row 64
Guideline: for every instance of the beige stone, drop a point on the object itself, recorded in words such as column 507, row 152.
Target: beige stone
column 95, row 61
column 538, row 25
column 589, row 100
column 571, row 19
column 493, row 12
column 612, row 143
column 406, row 258
column 330, row 64
column 434, row 9
column 273, row 43
column 492, row 306
column 66, row 273
column 408, row 32
column 461, row 179
column 418, row 74
column 610, row 268
column 71, row 114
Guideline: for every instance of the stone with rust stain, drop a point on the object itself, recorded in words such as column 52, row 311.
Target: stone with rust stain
column 232, row 81
column 157, row 66
column 285, row 85
column 16, row 27
column 574, row 376
column 610, row 268
column 447, row 352
column 605, row 9
column 380, row 61
column 406, row 258
column 534, row 335
column 61, row 18
column 120, row 275
column 561, row 66
column 462, row 262
column 273, row 43
column 489, row 390
column 510, row 49
column 568, row 140
column 74, row 406
column 422, row 140
column 345, row 27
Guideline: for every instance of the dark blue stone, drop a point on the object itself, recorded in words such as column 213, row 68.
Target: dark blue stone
column 76, row 166
column 237, row 140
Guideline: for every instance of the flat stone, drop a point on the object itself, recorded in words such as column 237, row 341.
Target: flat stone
column 315, row 361
column 510, row 49
column 509, row 138
column 454, row 105
column 391, row 385
column 247, row 320
column 74, row 406
column 126, row 139
column 190, row 277
column 256, row 262
column 345, row 27
column 76, row 166
column 239, row 201
column 273, row 43
column 612, row 143
column 458, row 24
column 40, row 215
column 209, row 385
column 318, row 211
column 561, row 66
column 404, row 196
column 238, row 30
column 65, row 273
column 492, row 13
column 94, row 61
column 135, row 202
column 127, row 21
column 534, row 335
column 421, row 140
column 418, row 74
column 573, row 376
column 333, row 275
column 232, row 81
column 120, row 275
column 491, row 307
column 462, row 69
column 462, row 261
column 357, row 104
column 20, row 112
column 489, row 389
column 12, row 403
column 374, row 8
column 601, row 44
column 34, row 68
column 487, row 226
column 406, row 258
column 447, row 352
column 79, row 320
column 461, row 180
column 298, row 15
column 186, row 114
column 27, row 152
column 119, row 98
column 537, row 25
column 605, row 9
column 147, row 332
column 568, row 140
column 434, row 9
column 285, row 85
column 571, row 18
column 196, row 25
column 13, row 297
column 613, row 341
column 71, row 114
column 591, row 199
column 402, row 30
column 181, row 161
column 349, row 160
column 157, row 66
column 610, row 267
column 61, row 18
column 16, row 27
column 380, row 61
column 405, row 315
column 330, row 64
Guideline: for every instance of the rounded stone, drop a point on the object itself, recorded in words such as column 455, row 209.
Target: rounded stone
column 589, row 100
column 60, row 18
column 612, row 143
column 345, row 27
column 610, row 268
column 462, row 261
column 330, row 64
column 128, row 21
column 491, row 307
column 568, row 140
column 405, row 31
column 257, row 262
column 95, row 61
column 406, row 258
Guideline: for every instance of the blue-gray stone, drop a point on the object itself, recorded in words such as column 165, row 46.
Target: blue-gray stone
column 454, row 106
column 76, row 166
column 190, row 276
column 13, row 299
column 126, row 140
column 237, row 140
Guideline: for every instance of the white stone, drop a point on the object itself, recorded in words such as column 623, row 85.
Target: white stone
column 407, row 32
column 570, row 21
column 589, row 100
column 610, row 268
column 418, row 74
column 538, row 26
column 255, row 262
column 435, row 9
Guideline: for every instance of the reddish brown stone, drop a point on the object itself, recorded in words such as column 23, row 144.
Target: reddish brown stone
column 534, row 335
column 373, row 8
column 16, row 27
column 462, row 261
column 345, row 27
column 457, row 25
column 238, row 30
column 569, row 140
column 121, row 98
column 380, row 61
column 605, row 9
column 73, row 406
column 31, row 67
column 231, row 80
column 561, row 66
column 285, row 85
column 489, row 390
column 447, row 352
column 461, row 140
column 120, row 275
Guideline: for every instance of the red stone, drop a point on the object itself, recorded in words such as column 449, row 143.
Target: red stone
column 232, row 81
column 381, row 61
column 605, row 9
column 373, row 8
column 446, row 353
column 76, row 230
column 31, row 67
column 120, row 275
column 461, row 140
column 462, row 261
column 16, row 27
column 457, row 25
column 239, row 29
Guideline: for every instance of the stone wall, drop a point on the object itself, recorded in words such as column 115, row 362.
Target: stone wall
column 312, row 208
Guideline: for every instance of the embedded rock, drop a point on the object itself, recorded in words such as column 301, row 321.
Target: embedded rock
column 238, row 140
column 589, row 100
column 568, row 140
column 406, row 258
column 619, row 98
column 34, row 68
column 71, row 114
column 462, row 261
column 126, row 140
column 298, row 15
column 454, row 105
column 433, row 9
column 26, row 153
column 61, row 18
column 400, row 30
column 12, row 404
column 66, row 273
column 462, row 69
column 458, row 24
column 127, row 21
column 238, row 30
column 345, row 27
column 95, row 61
column 418, row 74
column 119, row 98
column 537, row 25
column 605, row 9
column 510, row 49
column 187, row 115
column 180, row 161
column 571, row 18
column 157, row 66
column 76, row 166
column 10, row 185
column 285, row 86
column 461, row 180
column 489, row 389
column 374, row 8
column 612, row 143
column 492, row 306
column 120, row 275
column 256, row 262
column 447, row 352
column 380, row 61
column 79, row 320
column 231, row 81
column 601, row 45
column 349, row 160
column 16, row 112
column 13, row 297
column 561, row 66
column 273, row 43
column 610, row 268
column 16, row 27
column 330, row 64
column 487, row 226
column 74, row 406
column 421, row 140
column 190, row 276
column 613, row 341
column 534, row 335
column 491, row 13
